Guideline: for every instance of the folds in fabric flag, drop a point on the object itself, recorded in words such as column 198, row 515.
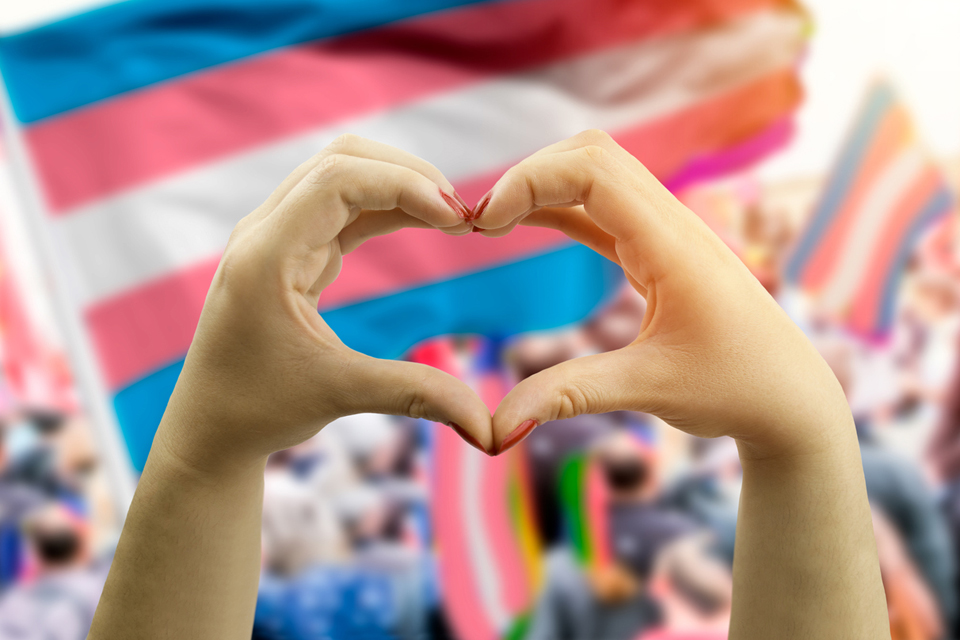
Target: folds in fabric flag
column 882, row 195
column 153, row 126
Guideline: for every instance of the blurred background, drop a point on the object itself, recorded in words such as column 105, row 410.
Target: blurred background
column 821, row 141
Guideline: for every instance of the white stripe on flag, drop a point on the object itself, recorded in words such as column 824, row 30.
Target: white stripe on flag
column 872, row 217
column 482, row 559
column 116, row 244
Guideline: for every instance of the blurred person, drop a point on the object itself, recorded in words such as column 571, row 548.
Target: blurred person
column 379, row 538
column 693, row 591
column 547, row 450
column 925, row 352
column 709, row 492
column 40, row 454
column 898, row 490
column 617, row 324
column 913, row 610
column 715, row 356
column 943, row 453
column 612, row 601
column 299, row 527
column 59, row 603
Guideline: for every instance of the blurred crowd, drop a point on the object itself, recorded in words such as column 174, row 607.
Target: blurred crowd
column 348, row 546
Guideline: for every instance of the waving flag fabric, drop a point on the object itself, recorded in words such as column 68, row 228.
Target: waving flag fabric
column 153, row 125
column 882, row 195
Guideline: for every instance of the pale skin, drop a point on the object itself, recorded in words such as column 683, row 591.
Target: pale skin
column 715, row 356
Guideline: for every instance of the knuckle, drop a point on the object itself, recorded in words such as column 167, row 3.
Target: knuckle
column 597, row 137
column 415, row 405
column 571, row 402
column 596, row 154
column 344, row 141
column 326, row 169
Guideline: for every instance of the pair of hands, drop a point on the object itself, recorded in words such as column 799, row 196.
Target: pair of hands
column 715, row 354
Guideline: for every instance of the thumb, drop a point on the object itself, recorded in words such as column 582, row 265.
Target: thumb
column 613, row 381
column 418, row 391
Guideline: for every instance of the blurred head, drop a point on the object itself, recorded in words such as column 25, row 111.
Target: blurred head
column 627, row 466
column 935, row 294
column 57, row 538
column 690, row 585
column 617, row 325
column 48, row 423
column 299, row 527
column 374, row 442
column 533, row 353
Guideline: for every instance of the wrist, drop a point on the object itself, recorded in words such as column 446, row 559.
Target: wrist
column 192, row 444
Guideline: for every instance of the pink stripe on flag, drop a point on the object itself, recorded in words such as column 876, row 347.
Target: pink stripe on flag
column 461, row 596
column 735, row 158
column 153, row 325
column 144, row 135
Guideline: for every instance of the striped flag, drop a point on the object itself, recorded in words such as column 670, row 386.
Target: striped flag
column 881, row 197
column 152, row 126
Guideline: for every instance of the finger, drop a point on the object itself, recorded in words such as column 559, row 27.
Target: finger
column 357, row 146
column 370, row 224
column 577, row 225
column 599, row 138
column 646, row 222
column 337, row 190
column 614, row 381
column 418, row 391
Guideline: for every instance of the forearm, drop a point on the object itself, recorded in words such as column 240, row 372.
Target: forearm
column 805, row 564
column 188, row 561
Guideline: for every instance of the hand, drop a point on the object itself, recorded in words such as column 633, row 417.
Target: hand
column 715, row 354
column 265, row 371
column 612, row 583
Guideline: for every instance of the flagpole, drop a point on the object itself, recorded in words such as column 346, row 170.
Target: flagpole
column 93, row 390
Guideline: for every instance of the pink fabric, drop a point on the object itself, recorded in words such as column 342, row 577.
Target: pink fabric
column 144, row 135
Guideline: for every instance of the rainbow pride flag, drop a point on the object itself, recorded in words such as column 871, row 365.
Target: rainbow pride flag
column 882, row 195
column 151, row 126
column 583, row 498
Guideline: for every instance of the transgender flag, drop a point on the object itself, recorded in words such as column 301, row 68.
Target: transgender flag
column 151, row 126
column 882, row 196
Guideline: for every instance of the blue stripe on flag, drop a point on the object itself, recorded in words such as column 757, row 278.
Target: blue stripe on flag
column 940, row 203
column 128, row 45
column 543, row 292
column 841, row 181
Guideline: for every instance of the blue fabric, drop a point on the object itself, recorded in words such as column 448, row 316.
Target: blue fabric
column 11, row 555
column 542, row 292
column 128, row 45
column 327, row 602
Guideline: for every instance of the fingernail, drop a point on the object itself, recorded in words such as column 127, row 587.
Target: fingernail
column 482, row 205
column 454, row 203
column 476, row 230
column 517, row 435
column 466, row 435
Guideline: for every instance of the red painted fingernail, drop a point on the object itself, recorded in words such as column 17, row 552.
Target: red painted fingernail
column 517, row 435
column 466, row 435
column 476, row 230
column 481, row 206
column 453, row 203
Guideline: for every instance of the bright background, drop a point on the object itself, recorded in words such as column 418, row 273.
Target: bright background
column 913, row 44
